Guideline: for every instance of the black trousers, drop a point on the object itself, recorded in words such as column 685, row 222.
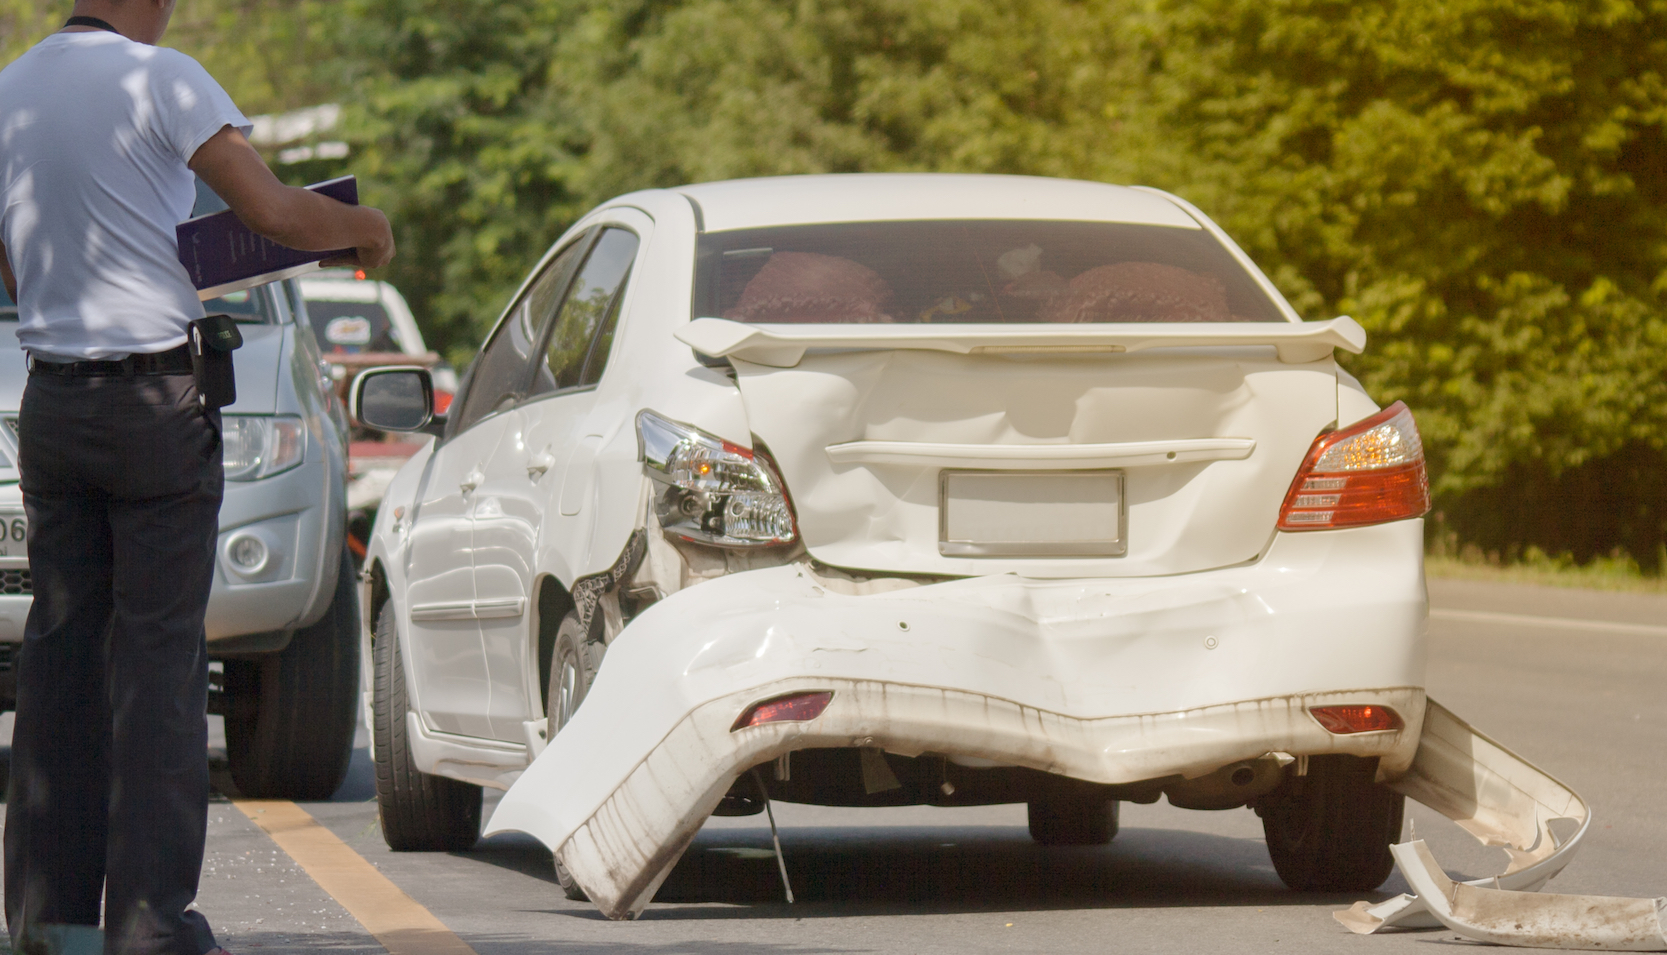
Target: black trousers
column 108, row 797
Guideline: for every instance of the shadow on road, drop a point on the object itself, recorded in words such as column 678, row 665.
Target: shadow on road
column 841, row 872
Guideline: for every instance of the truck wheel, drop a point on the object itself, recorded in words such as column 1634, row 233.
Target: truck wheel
column 1330, row 831
column 573, row 665
column 297, row 738
column 1073, row 821
column 419, row 812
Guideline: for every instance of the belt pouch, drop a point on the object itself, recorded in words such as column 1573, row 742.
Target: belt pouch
column 212, row 340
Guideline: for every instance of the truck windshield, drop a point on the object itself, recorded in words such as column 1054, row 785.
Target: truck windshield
column 974, row 271
column 352, row 327
column 252, row 306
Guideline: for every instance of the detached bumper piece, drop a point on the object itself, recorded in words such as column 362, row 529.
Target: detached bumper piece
column 1503, row 801
column 1532, row 920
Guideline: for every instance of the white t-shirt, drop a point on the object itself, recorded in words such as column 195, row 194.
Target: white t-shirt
column 95, row 134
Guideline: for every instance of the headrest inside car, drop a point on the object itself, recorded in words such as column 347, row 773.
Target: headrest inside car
column 807, row 287
column 1140, row 292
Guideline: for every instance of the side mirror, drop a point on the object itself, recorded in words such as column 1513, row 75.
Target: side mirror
column 394, row 398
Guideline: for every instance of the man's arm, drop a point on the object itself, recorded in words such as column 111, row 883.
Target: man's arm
column 6, row 273
column 285, row 214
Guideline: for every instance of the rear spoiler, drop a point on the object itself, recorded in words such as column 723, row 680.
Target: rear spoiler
column 784, row 345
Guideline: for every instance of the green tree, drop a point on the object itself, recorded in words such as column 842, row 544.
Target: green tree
column 24, row 22
column 1481, row 182
column 459, row 133
column 270, row 55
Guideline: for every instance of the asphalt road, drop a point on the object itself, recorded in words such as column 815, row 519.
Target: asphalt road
column 1583, row 702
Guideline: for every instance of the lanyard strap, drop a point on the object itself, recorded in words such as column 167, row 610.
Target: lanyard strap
column 93, row 22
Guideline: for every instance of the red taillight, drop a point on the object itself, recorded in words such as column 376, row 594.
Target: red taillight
column 1368, row 473
column 1355, row 718
column 794, row 708
column 442, row 401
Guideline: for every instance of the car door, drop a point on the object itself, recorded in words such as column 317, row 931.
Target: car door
column 447, row 660
column 506, row 517
column 525, row 484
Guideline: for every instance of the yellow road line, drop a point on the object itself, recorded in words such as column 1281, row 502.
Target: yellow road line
column 387, row 913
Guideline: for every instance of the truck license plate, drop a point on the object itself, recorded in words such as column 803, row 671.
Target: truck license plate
column 14, row 534
column 1031, row 514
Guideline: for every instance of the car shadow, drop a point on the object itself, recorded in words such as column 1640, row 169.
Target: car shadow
column 841, row 872
column 730, row 872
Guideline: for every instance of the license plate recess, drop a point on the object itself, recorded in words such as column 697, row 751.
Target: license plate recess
column 1032, row 513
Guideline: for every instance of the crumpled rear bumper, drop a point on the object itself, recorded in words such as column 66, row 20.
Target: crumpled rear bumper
column 1111, row 681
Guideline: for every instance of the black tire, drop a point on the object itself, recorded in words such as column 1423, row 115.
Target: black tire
column 419, row 812
column 1330, row 831
column 295, row 741
column 1073, row 820
column 573, row 665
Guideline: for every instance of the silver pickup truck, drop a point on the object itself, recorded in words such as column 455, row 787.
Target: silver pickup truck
column 283, row 617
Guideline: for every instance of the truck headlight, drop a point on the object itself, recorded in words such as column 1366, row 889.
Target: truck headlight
column 258, row 446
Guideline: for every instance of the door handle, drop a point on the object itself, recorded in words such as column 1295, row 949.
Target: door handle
column 471, row 481
column 539, row 463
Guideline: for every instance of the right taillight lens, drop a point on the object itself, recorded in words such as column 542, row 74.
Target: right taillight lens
column 1368, row 473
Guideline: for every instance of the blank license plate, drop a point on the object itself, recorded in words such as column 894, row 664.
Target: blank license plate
column 14, row 534
column 1031, row 514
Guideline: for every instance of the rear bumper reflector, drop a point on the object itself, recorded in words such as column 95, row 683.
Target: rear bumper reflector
column 794, row 708
column 1356, row 718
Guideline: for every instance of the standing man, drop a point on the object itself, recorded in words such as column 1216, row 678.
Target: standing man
column 100, row 131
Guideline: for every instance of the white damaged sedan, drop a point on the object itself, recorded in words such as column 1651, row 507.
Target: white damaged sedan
column 880, row 490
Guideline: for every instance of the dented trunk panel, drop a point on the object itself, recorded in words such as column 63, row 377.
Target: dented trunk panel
column 1209, row 439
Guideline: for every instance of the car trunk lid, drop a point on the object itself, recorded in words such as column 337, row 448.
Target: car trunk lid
column 1195, row 431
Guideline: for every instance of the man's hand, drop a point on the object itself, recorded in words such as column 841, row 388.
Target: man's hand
column 6, row 274
column 288, row 215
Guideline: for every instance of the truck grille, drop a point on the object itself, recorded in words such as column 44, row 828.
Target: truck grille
column 16, row 583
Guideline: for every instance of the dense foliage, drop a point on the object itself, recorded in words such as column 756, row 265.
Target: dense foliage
column 1480, row 182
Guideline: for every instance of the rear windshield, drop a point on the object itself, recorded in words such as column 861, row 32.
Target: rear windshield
column 974, row 271
column 349, row 328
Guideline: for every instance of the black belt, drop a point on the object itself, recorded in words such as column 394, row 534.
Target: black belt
column 174, row 361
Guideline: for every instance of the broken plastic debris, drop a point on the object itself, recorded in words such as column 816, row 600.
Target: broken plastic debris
column 1496, row 796
column 1532, row 920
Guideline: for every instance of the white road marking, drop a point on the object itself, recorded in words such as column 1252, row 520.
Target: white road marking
column 1562, row 623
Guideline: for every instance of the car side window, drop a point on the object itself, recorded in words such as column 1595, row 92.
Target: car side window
column 499, row 376
column 577, row 347
column 544, row 299
column 599, row 349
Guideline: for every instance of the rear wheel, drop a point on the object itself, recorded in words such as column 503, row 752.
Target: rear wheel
column 295, row 741
column 573, row 665
column 1073, row 820
column 419, row 812
column 1330, row 830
